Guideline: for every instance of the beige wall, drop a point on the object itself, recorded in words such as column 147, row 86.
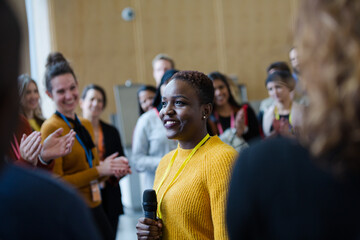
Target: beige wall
column 236, row 37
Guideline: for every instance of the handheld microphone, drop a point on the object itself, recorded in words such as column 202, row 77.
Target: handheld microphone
column 150, row 203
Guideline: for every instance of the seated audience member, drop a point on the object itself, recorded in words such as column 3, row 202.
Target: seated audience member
column 233, row 136
column 145, row 95
column 284, row 116
column 225, row 109
column 107, row 141
column 150, row 143
column 81, row 167
column 191, row 182
column 30, row 101
column 33, row 204
column 285, row 189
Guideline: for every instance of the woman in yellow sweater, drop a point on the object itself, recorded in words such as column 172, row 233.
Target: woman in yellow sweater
column 81, row 167
column 191, row 182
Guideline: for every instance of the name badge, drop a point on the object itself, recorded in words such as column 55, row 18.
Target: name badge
column 95, row 191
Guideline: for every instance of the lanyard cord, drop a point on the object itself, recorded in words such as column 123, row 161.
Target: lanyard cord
column 277, row 115
column 178, row 172
column 219, row 127
column 87, row 151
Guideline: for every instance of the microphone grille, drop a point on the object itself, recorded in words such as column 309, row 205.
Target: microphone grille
column 149, row 195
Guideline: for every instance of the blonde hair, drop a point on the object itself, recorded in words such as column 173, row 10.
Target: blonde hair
column 23, row 81
column 328, row 35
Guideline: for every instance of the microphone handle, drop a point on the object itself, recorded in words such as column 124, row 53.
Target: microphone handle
column 151, row 215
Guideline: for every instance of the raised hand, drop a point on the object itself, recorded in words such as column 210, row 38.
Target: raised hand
column 240, row 123
column 56, row 146
column 30, row 147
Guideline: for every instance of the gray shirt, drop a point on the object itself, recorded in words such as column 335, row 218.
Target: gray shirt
column 150, row 144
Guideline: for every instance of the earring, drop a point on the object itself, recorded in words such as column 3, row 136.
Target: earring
column 204, row 117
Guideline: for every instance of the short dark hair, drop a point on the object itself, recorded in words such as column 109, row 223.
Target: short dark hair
column 200, row 82
column 56, row 65
column 95, row 87
column 278, row 66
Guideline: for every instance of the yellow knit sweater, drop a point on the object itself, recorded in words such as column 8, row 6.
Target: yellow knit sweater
column 194, row 206
column 74, row 167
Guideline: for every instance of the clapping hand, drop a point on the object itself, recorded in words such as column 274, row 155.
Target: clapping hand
column 114, row 166
column 30, row 147
column 56, row 146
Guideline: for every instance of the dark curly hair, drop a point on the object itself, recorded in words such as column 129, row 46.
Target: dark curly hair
column 56, row 65
column 200, row 82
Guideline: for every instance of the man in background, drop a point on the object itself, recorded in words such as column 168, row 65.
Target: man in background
column 161, row 63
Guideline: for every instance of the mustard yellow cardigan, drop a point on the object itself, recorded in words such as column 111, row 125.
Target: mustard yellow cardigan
column 194, row 206
column 74, row 167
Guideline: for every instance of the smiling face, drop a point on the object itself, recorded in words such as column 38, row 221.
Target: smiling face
column 30, row 100
column 146, row 98
column 65, row 94
column 221, row 94
column 182, row 114
column 279, row 92
column 93, row 104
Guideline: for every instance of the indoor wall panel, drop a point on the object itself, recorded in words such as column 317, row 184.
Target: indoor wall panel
column 237, row 37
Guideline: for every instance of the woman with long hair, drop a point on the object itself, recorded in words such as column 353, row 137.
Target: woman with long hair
column 30, row 101
column 282, row 188
column 225, row 109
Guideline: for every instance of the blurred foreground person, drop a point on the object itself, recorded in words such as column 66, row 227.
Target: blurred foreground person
column 33, row 205
column 282, row 189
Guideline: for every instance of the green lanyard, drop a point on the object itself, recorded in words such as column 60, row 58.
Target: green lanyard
column 178, row 172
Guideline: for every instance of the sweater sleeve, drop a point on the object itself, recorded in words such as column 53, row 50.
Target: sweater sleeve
column 140, row 149
column 219, row 169
column 79, row 178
